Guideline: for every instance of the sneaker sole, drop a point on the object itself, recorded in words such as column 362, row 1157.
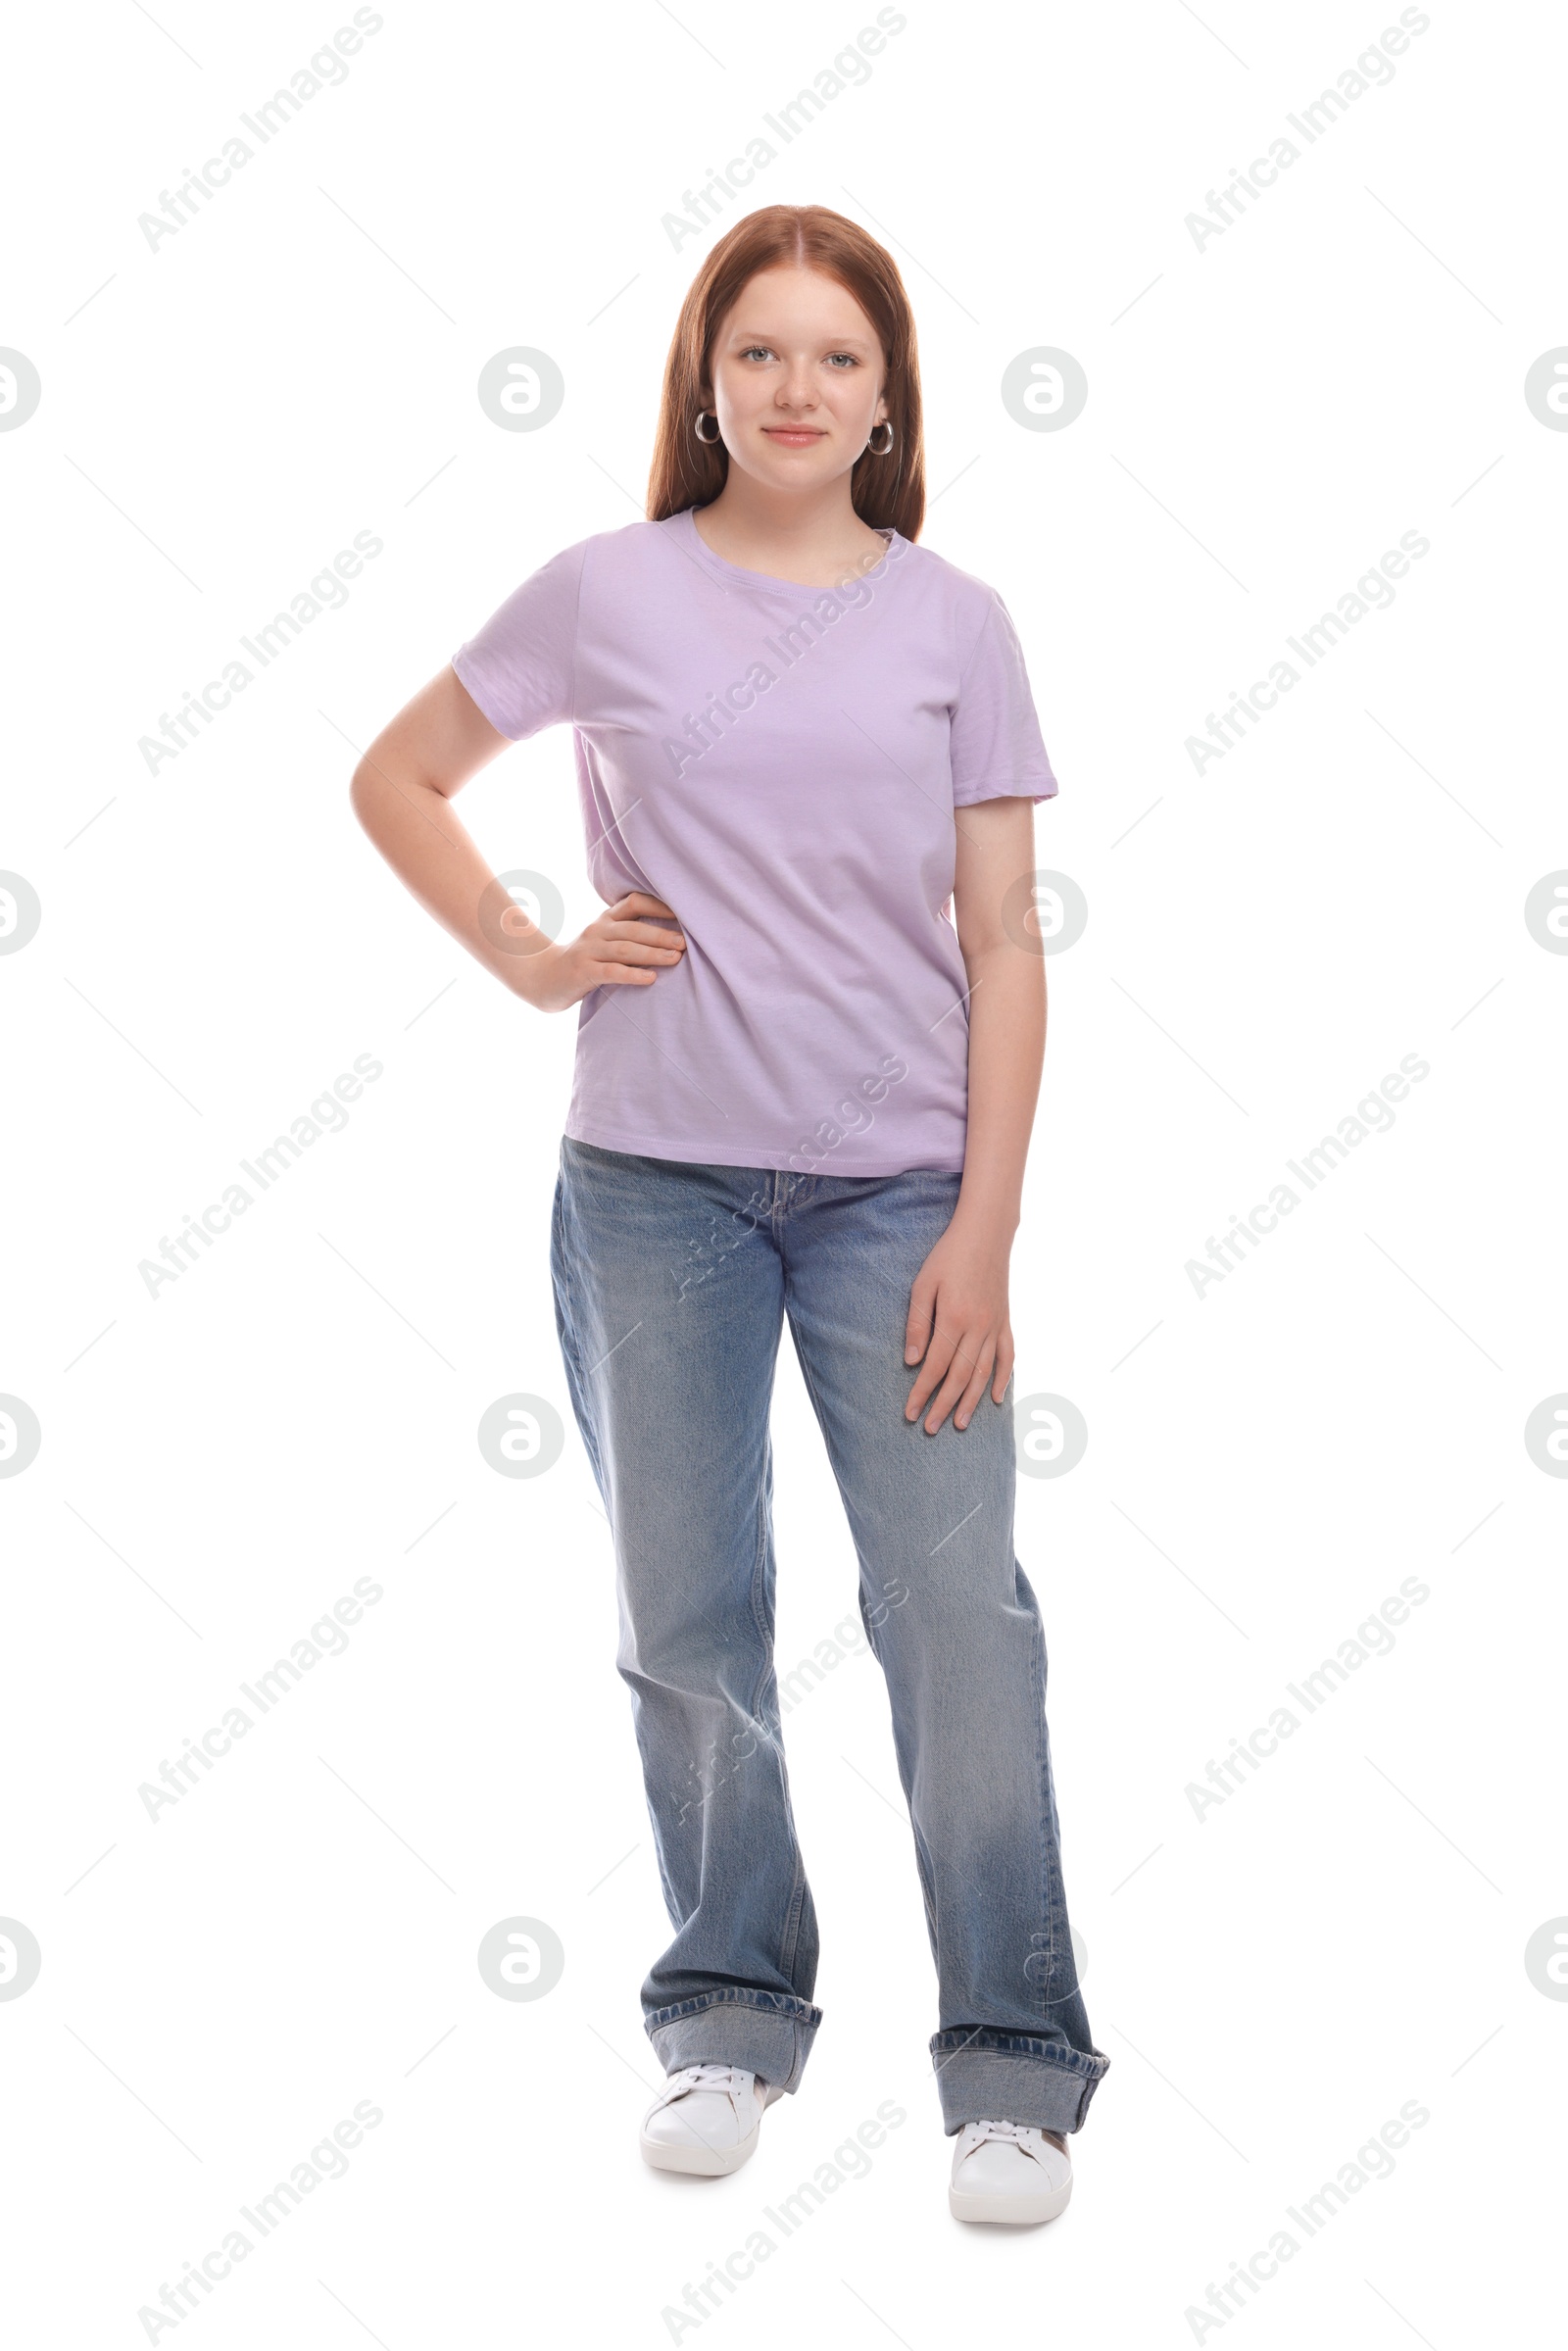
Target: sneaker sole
column 705, row 2163
column 1018, row 2212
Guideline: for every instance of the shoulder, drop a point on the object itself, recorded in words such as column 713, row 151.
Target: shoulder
column 609, row 562
column 632, row 548
column 948, row 574
column 968, row 601
column 604, row 555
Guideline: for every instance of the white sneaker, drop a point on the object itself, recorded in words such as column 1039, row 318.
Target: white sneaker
column 707, row 2119
column 1008, row 2172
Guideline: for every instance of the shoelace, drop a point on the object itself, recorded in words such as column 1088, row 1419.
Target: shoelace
column 728, row 2078
column 1027, row 2138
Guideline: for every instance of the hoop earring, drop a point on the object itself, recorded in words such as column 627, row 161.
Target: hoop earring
column 708, row 439
column 887, row 447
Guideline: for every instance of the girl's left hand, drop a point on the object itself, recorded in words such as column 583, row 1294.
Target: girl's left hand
column 958, row 1323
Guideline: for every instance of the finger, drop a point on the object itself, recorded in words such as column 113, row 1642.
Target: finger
column 976, row 1387
column 938, row 1359
column 949, row 1392
column 1005, row 1363
column 636, row 951
column 639, row 934
column 644, row 932
column 952, row 1363
column 917, row 1324
column 641, row 902
column 620, row 975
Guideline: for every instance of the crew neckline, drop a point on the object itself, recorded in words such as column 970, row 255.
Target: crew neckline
column 773, row 579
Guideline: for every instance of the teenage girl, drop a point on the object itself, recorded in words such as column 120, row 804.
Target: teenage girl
column 809, row 1050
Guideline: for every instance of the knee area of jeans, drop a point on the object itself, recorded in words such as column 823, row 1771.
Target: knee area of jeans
column 695, row 1688
column 959, row 1629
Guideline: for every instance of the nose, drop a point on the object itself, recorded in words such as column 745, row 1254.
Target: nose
column 797, row 391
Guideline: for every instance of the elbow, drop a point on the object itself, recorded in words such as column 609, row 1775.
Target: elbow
column 364, row 789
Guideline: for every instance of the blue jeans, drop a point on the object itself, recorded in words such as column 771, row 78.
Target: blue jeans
column 671, row 1283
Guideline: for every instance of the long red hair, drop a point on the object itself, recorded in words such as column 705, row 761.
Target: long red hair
column 686, row 471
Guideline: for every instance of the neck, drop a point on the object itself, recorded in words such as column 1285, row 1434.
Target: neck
column 817, row 537
column 807, row 520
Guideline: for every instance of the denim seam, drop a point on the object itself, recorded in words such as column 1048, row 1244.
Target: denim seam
column 788, row 2007
column 796, row 1909
column 790, row 1940
column 928, row 1889
column 1087, row 2066
column 1037, row 1680
column 559, row 1237
column 570, row 1336
column 790, row 1935
column 759, row 1616
column 567, row 1285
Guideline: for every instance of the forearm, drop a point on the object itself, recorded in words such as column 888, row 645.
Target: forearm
column 402, row 795
column 416, row 828
column 957, row 1320
column 1007, row 1052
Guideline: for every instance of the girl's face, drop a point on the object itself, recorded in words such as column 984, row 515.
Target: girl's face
column 796, row 379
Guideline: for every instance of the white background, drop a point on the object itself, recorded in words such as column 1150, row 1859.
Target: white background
column 1265, row 1464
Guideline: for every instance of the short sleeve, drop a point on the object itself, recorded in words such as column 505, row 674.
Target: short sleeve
column 520, row 667
column 995, row 745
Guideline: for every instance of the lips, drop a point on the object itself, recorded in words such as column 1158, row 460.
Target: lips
column 793, row 433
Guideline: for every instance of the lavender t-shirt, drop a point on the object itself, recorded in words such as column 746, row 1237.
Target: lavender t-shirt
column 779, row 764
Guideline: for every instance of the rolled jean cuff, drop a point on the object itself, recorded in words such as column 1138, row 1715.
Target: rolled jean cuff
column 1013, row 2077
column 768, row 2034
